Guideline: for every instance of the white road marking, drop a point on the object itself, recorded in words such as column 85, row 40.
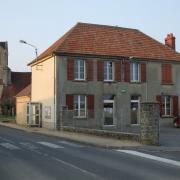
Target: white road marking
column 70, row 144
column 77, row 168
column 9, row 146
column 4, row 139
column 28, row 145
column 51, row 145
column 148, row 156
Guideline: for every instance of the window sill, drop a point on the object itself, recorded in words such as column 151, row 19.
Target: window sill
column 166, row 116
column 113, row 125
column 170, row 83
column 76, row 80
column 109, row 81
column 135, row 82
column 79, row 117
column 135, row 124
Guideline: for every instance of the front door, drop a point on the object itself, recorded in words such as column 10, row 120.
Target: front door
column 34, row 114
column 108, row 112
column 135, row 109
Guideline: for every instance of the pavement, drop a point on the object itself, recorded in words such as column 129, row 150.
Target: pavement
column 87, row 139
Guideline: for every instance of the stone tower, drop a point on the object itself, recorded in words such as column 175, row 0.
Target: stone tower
column 4, row 69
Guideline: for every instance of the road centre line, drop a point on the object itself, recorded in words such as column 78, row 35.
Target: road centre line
column 70, row 144
column 4, row 139
column 77, row 168
column 9, row 146
column 51, row 145
column 148, row 156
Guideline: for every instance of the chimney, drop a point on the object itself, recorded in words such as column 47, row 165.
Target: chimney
column 170, row 41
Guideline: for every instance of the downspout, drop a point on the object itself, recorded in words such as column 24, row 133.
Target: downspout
column 146, row 81
column 55, row 120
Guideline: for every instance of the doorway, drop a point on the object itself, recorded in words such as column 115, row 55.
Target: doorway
column 34, row 111
column 135, row 109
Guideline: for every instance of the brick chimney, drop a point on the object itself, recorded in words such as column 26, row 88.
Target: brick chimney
column 170, row 41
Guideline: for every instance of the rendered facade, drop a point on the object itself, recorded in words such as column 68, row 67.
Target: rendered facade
column 98, row 75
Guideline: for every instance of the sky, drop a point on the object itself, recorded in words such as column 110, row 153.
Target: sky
column 42, row 22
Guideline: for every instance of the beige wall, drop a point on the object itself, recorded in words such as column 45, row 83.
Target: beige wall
column 21, row 109
column 43, row 89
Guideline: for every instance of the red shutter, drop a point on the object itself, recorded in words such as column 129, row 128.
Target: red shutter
column 127, row 72
column 169, row 74
column 89, row 70
column 166, row 74
column 118, row 71
column 175, row 106
column 69, row 101
column 158, row 99
column 100, row 70
column 90, row 105
column 70, row 69
column 143, row 72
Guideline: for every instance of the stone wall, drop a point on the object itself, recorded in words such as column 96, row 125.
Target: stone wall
column 150, row 116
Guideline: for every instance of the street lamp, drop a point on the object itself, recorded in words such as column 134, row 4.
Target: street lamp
column 24, row 42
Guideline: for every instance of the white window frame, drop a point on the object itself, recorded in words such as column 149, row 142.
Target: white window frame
column 78, row 70
column 107, row 69
column 165, row 106
column 133, row 72
column 79, row 107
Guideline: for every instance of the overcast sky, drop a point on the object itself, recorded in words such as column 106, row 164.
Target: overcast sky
column 41, row 22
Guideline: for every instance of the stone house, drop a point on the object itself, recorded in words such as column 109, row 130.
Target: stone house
column 100, row 74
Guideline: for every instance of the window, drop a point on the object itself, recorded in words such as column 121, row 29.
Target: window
column 47, row 112
column 79, row 69
column 134, row 72
column 108, row 109
column 166, row 105
column 80, row 106
column 108, row 71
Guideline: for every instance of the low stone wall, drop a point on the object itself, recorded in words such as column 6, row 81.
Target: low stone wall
column 104, row 133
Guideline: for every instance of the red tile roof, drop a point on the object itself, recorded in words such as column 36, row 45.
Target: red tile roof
column 25, row 92
column 19, row 80
column 92, row 39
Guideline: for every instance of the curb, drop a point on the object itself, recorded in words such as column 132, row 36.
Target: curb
column 68, row 138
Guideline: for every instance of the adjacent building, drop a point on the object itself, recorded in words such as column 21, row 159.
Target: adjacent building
column 98, row 75
column 11, row 83
column 4, row 69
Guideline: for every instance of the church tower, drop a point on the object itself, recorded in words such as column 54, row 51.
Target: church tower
column 4, row 69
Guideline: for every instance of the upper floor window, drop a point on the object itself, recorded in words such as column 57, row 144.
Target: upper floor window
column 80, row 106
column 79, row 69
column 134, row 69
column 108, row 71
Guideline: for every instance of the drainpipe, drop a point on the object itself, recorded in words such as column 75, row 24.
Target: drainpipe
column 146, row 81
column 55, row 120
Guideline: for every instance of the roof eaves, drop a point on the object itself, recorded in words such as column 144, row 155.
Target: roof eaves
column 52, row 49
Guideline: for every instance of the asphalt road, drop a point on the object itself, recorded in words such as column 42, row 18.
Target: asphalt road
column 28, row 156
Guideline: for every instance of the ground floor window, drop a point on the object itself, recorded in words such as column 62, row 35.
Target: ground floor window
column 108, row 109
column 80, row 106
column 166, row 105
